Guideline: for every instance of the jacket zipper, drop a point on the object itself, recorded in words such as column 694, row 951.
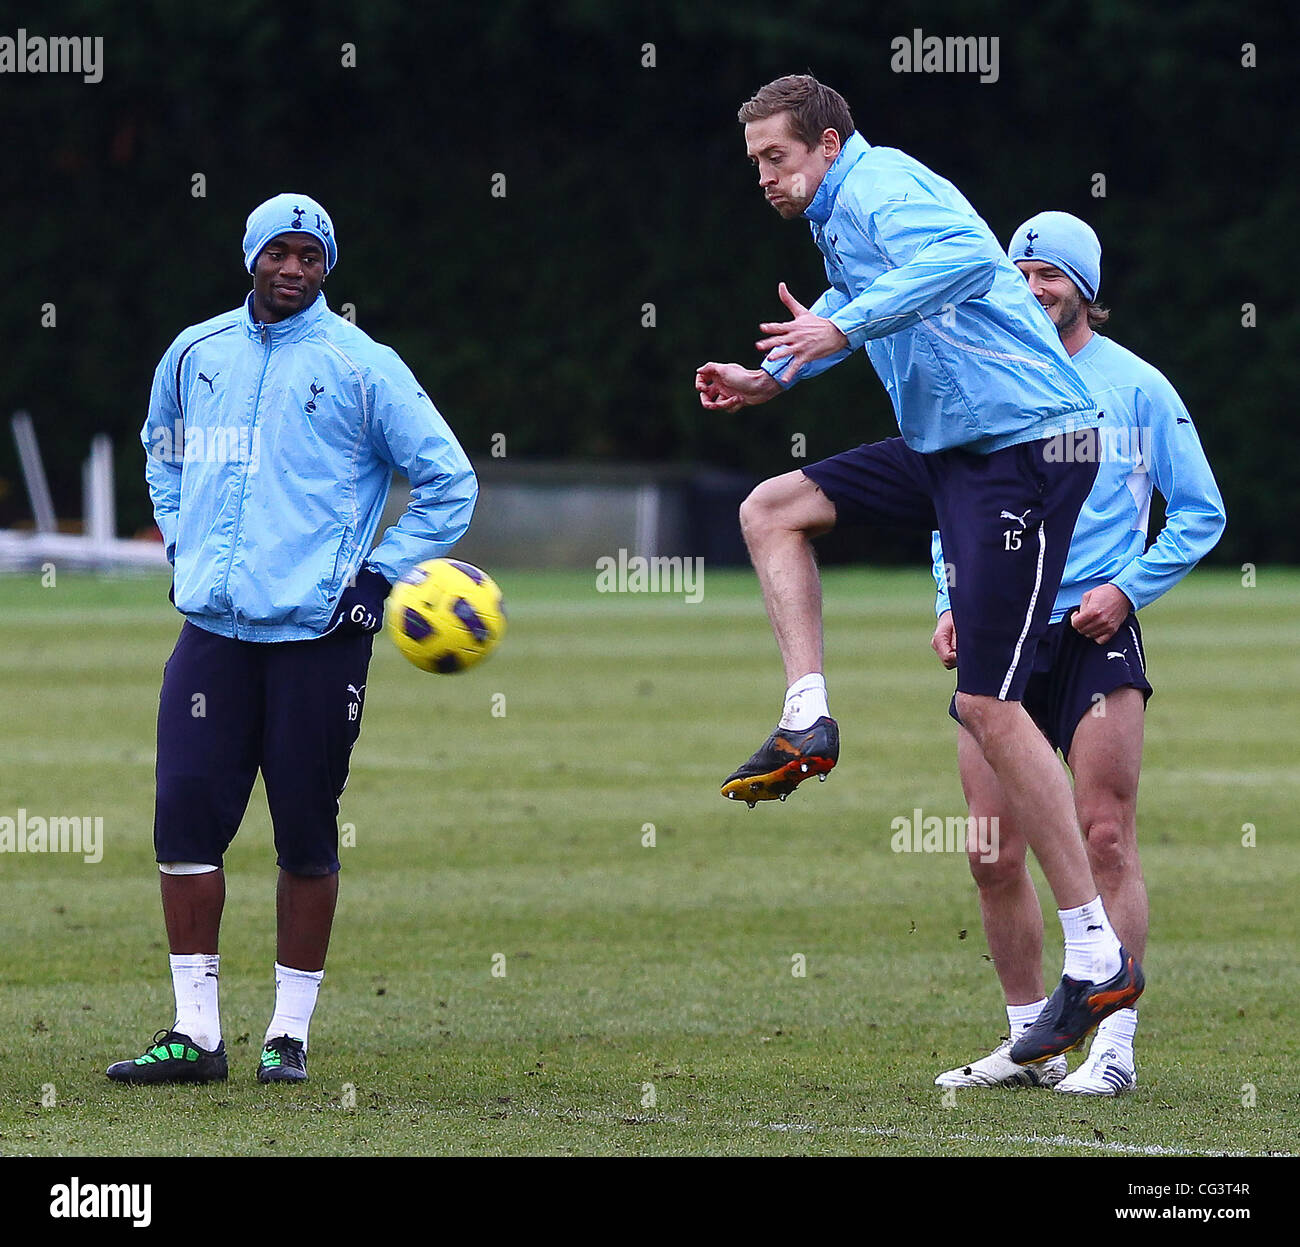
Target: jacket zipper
column 264, row 334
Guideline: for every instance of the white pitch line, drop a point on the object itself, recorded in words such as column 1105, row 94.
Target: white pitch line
column 880, row 1132
column 1056, row 1140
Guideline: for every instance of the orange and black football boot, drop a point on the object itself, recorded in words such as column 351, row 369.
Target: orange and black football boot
column 1075, row 1009
column 788, row 757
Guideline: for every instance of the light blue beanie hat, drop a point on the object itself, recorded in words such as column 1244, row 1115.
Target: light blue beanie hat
column 1064, row 240
column 288, row 214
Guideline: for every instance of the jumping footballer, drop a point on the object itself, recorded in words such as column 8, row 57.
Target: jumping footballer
column 983, row 392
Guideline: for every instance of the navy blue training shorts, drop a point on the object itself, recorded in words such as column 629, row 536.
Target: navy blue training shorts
column 1006, row 520
column 1073, row 674
column 228, row 708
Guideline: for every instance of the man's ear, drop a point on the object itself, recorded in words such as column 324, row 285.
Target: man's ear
column 831, row 143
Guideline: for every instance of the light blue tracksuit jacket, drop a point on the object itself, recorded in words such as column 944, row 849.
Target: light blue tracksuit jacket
column 269, row 454
column 967, row 355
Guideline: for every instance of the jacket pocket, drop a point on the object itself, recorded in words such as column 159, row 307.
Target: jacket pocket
column 332, row 589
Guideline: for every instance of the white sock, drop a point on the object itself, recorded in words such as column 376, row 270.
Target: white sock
column 1091, row 945
column 295, row 998
column 805, row 702
column 1021, row 1017
column 194, row 980
column 1117, row 1031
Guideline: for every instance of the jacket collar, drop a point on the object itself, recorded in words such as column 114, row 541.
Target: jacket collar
column 1088, row 349
column 292, row 329
column 819, row 210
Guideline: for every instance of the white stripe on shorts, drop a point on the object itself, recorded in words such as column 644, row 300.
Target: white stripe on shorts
column 1142, row 658
column 1029, row 614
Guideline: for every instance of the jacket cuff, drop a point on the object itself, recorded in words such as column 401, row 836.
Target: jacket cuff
column 778, row 366
column 856, row 333
column 371, row 570
column 1127, row 589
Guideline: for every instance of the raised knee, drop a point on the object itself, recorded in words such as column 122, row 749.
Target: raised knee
column 768, row 506
column 754, row 510
column 786, row 504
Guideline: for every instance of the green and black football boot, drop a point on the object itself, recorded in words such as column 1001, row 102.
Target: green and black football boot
column 283, row 1060
column 173, row 1057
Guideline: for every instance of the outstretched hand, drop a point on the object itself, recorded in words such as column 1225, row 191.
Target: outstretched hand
column 728, row 387
column 803, row 339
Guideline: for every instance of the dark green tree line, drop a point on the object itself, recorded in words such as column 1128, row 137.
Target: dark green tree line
column 611, row 131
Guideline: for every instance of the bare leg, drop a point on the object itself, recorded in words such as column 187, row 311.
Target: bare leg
column 192, row 906
column 1013, row 920
column 1106, row 758
column 304, row 916
column 779, row 519
column 1035, row 791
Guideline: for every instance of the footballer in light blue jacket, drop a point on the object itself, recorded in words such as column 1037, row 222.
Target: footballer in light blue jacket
column 1147, row 440
column 1090, row 683
column 919, row 281
column 270, row 452
column 272, row 436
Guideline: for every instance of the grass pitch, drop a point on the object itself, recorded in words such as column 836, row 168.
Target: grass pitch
column 645, row 1000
